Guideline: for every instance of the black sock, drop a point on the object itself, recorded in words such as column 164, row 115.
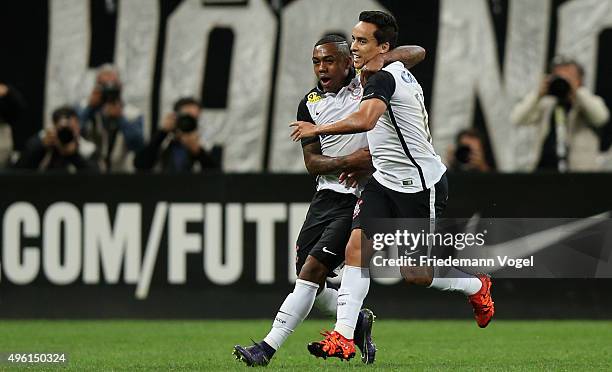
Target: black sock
column 268, row 350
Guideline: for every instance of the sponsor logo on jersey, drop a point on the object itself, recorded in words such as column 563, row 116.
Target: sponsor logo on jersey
column 408, row 78
column 314, row 97
column 407, row 182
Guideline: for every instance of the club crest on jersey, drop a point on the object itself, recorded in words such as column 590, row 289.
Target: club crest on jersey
column 314, row 97
column 408, row 78
column 357, row 208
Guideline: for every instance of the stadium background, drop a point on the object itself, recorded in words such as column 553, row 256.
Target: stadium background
column 247, row 105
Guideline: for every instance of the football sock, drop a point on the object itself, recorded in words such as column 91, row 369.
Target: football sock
column 352, row 292
column 456, row 281
column 327, row 301
column 292, row 312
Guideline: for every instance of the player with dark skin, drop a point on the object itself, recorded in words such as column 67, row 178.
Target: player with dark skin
column 367, row 52
column 332, row 68
column 332, row 65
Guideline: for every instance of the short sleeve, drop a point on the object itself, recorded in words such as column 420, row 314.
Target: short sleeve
column 303, row 114
column 381, row 85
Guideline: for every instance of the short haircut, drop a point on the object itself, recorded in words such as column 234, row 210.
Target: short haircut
column 386, row 24
column 185, row 101
column 469, row 132
column 63, row 112
column 561, row 60
column 341, row 43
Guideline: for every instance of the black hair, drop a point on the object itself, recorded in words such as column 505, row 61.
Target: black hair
column 565, row 61
column 340, row 41
column 469, row 132
column 184, row 101
column 63, row 112
column 386, row 24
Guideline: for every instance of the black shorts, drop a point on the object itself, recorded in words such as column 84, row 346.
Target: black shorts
column 326, row 229
column 379, row 202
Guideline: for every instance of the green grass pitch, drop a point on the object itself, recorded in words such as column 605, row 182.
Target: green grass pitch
column 403, row 345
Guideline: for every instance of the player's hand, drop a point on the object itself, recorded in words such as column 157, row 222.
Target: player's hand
column 354, row 178
column 302, row 129
column 371, row 67
column 3, row 90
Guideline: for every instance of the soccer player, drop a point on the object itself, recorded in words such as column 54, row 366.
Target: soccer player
column 409, row 181
column 322, row 240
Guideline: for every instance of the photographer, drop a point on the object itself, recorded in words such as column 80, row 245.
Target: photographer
column 176, row 147
column 468, row 153
column 59, row 147
column 113, row 125
column 13, row 131
column 566, row 114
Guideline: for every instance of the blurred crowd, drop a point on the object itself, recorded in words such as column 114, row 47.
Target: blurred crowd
column 104, row 133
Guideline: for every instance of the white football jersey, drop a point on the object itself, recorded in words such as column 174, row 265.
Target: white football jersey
column 322, row 108
column 400, row 143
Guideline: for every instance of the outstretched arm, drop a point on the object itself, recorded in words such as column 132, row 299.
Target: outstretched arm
column 361, row 121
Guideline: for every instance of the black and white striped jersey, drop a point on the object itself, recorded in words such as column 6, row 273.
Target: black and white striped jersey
column 400, row 143
column 321, row 108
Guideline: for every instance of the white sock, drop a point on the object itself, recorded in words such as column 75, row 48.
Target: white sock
column 456, row 281
column 292, row 312
column 352, row 292
column 327, row 301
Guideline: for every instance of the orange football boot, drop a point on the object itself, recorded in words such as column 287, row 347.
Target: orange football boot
column 334, row 345
column 482, row 302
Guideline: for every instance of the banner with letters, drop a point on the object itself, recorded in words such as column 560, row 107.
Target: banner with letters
column 204, row 246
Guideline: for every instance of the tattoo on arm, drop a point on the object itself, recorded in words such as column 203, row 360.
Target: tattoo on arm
column 318, row 164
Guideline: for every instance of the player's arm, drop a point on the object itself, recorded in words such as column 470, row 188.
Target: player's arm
column 377, row 95
column 318, row 164
column 409, row 55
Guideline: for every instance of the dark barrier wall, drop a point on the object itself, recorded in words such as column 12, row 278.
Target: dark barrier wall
column 221, row 246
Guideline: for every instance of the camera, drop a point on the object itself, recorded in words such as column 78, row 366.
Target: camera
column 462, row 154
column 559, row 87
column 186, row 123
column 111, row 92
column 65, row 135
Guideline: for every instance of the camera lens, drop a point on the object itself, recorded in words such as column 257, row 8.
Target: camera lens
column 65, row 135
column 462, row 154
column 111, row 92
column 559, row 87
column 186, row 123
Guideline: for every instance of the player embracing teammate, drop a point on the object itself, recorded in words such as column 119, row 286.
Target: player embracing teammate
column 409, row 180
column 326, row 230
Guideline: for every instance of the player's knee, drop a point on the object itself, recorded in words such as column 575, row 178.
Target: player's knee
column 421, row 276
column 313, row 271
